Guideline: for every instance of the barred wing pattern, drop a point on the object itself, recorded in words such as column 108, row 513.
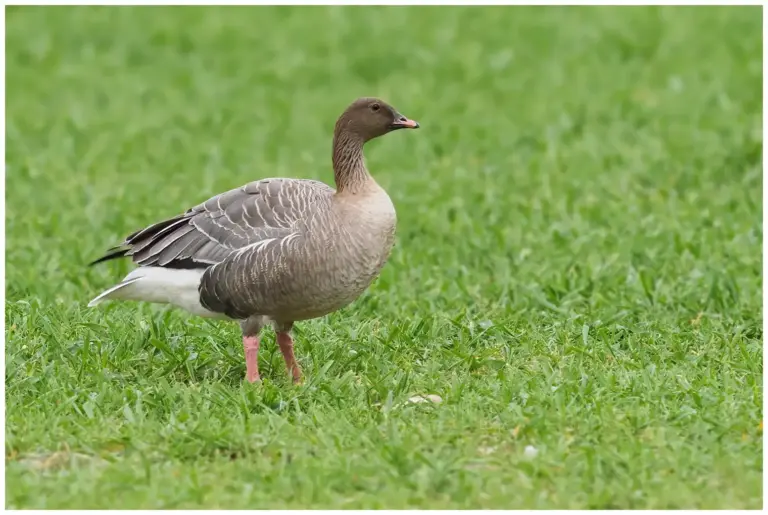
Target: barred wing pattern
column 233, row 223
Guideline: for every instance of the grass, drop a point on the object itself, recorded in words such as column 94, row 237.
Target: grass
column 578, row 264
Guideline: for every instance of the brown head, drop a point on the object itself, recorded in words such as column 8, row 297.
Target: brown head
column 369, row 118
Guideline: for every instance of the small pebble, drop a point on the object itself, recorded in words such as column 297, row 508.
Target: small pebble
column 487, row 451
column 436, row 399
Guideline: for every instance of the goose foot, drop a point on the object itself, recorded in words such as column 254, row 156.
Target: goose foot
column 285, row 342
column 251, row 347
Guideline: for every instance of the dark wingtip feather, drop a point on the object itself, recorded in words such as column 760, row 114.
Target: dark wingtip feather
column 114, row 253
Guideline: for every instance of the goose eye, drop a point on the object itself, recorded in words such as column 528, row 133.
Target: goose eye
column 375, row 107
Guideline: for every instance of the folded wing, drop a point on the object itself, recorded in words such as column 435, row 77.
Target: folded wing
column 235, row 221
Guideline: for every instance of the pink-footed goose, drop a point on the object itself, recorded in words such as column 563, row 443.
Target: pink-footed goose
column 275, row 250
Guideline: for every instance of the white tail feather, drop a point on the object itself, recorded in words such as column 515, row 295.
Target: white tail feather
column 161, row 286
column 112, row 293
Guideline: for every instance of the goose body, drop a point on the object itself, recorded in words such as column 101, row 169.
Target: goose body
column 274, row 250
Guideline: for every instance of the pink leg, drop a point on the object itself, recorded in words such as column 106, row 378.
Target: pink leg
column 251, row 347
column 286, row 347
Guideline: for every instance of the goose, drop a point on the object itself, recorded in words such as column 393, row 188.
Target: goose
column 274, row 251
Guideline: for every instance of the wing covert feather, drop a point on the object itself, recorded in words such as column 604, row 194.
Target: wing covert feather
column 227, row 223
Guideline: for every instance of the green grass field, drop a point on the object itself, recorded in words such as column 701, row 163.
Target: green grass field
column 577, row 269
